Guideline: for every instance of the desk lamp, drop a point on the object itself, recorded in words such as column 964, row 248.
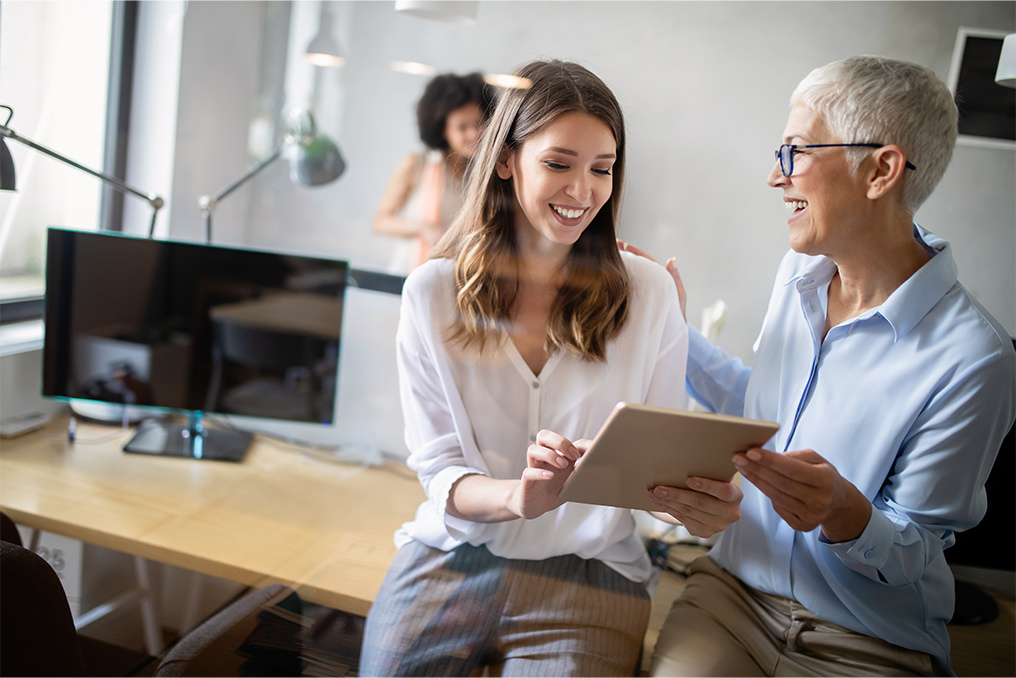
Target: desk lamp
column 317, row 162
column 7, row 180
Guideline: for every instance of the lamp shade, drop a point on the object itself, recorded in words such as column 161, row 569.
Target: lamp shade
column 7, row 182
column 318, row 162
column 323, row 50
column 1006, row 73
column 452, row 11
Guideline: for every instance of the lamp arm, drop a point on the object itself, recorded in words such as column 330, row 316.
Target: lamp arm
column 207, row 203
column 154, row 201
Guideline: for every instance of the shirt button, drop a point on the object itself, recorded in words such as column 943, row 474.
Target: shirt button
column 869, row 553
column 536, row 384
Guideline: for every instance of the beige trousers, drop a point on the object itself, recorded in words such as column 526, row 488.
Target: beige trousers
column 720, row 627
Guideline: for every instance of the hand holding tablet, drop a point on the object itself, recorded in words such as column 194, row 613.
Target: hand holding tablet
column 640, row 447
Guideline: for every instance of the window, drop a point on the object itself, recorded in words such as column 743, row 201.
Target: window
column 55, row 74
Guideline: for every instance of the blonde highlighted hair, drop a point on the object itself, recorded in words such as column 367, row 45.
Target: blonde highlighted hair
column 593, row 299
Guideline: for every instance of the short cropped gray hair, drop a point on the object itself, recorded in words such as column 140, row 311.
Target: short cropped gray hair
column 871, row 99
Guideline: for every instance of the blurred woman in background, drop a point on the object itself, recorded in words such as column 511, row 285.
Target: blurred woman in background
column 425, row 192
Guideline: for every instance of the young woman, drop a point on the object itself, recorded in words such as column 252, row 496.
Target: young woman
column 425, row 192
column 518, row 337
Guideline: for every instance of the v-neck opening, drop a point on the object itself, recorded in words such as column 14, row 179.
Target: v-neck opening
column 523, row 367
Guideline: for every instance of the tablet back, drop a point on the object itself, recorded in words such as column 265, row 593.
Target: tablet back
column 640, row 447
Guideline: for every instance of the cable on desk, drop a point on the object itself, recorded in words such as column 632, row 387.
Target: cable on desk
column 71, row 435
column 328, row 463
column 326, row 455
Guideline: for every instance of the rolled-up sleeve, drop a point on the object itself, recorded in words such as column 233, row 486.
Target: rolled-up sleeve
column 431, row 431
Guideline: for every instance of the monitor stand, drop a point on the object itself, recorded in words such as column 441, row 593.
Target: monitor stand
column 192, row 440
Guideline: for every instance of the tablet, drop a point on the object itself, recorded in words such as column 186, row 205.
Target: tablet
column 641, row 446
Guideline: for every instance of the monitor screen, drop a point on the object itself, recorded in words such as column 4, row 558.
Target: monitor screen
column 192, row 328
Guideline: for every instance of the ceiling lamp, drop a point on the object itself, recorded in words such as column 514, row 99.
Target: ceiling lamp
column 507, row 81
column 452, row 11
column 323, row 49
column 413, row 68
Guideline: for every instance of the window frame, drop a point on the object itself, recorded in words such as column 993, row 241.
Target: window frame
column 123, row 39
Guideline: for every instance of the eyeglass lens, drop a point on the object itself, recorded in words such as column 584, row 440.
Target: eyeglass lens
column 786, row 156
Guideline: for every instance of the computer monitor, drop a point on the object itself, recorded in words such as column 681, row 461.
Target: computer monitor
column 194, row 329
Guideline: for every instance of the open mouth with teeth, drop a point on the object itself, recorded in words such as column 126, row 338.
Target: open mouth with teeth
column 569, row 213
column 795, row 205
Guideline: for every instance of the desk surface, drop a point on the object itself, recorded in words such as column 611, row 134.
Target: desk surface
column 322, row 527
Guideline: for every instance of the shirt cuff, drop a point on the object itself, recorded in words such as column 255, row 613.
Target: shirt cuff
column 440, row 488
column 869, row 553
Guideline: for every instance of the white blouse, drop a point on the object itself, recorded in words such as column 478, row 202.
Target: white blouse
column 467, row 413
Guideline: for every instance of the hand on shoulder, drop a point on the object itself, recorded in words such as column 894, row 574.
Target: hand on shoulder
column 671, row 268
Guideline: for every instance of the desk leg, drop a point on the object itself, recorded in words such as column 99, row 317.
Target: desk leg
column 190, row 608
column 149, row 621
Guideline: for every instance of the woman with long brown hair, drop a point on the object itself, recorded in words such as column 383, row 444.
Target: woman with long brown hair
column 519, row 336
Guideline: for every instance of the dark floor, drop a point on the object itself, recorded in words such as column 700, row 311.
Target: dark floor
column 303, row 639
column 283, row 640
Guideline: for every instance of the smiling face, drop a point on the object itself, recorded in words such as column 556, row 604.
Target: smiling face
column 463, row 127
column 825, row 196
column 561, row 177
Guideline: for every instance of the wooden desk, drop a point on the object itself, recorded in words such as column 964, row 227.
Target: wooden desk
column 279, row 516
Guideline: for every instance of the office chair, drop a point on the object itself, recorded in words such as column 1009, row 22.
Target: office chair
column 38, row 637
column 257, row 635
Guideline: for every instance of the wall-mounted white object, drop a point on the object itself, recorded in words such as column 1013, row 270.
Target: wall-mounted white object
column 1006, row 73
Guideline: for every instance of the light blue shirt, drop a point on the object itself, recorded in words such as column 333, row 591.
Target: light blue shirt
column 909, row 401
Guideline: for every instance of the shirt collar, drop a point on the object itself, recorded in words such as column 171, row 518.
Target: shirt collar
column 912, row 300
column 818, row 273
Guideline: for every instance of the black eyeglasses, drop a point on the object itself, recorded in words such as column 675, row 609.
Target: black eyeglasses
column 786, row 154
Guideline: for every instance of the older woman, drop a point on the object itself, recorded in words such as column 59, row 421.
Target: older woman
column 893, row 388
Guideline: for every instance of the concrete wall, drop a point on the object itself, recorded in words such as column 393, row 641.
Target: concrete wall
column 704, row 86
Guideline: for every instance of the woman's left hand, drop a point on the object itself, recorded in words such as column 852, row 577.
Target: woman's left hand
column 704, row 509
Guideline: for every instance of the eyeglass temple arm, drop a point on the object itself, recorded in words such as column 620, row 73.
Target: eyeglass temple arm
column 910, row 165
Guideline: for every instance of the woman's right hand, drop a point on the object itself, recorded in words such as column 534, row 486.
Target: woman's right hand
column 550, row 462
column 671, row 266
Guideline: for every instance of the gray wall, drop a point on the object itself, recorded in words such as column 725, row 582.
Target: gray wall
column 704, row 86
